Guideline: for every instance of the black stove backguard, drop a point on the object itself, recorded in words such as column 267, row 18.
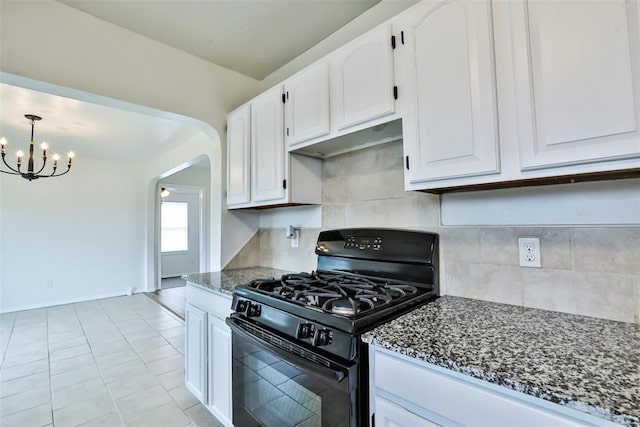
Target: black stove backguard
column 404, row 255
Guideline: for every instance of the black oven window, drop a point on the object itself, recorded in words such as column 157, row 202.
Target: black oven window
column 268, row 391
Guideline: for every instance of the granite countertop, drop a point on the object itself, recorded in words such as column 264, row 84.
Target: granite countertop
column 591, row 365
column 225, row 281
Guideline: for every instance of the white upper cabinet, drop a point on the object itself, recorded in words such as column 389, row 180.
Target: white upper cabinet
column 238, row 152
column 267, row 147
column 307, row 104
column 362, row 79
column 576, row 80
column 447, row 82
column 260, row 172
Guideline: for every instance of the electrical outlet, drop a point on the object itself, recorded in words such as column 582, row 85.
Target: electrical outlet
column 529, row 251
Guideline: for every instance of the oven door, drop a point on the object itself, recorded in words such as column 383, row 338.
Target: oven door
column 276, row 383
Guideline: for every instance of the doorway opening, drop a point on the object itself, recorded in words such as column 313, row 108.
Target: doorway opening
column 180, row 233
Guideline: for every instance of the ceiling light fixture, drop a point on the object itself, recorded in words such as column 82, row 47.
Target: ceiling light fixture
column 164, row 192
column 30, row 173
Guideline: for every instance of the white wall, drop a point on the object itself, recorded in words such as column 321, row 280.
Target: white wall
column 83, row 231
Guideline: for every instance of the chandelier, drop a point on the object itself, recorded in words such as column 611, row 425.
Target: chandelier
column 31, row 172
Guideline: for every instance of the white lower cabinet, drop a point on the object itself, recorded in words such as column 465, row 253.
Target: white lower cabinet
column 219, row 378
column 208, row 351
column 195, row 373
column 409, row 392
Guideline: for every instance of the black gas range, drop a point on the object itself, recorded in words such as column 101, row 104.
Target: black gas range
column 298, row 356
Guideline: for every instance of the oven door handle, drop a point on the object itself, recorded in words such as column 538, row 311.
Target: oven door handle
column 332, row 375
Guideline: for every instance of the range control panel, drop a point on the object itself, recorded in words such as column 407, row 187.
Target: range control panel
column 364, row 243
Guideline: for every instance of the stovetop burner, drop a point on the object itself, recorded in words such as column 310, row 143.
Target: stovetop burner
column 343, row 294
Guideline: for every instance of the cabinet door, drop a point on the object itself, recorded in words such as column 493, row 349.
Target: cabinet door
column 450, row 123
column 362, row 79
column 267, row 147
column 238, row 152
column 577, row 80
column 219, row 381
column 307, row 104
column 195, row 373
column 389, row 414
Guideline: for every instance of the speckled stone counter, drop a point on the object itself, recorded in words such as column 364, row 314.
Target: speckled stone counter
column 225, row 281
column 587, row 364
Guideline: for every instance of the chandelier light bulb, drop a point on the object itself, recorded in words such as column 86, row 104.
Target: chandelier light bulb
column 20, row 154
column 3, row 141
column 44, row 145
column 56, row 157
column 71, row 154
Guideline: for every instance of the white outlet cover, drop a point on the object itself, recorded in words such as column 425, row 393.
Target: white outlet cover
column 529, row 252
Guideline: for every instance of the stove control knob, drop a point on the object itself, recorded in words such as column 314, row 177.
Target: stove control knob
column 254, row 310
column 322, row 337
column 305, row 330
column 241, row 306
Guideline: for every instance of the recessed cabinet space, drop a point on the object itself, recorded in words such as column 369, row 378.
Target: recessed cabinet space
column 447, row 77
column 306, row 104
column 576, row 80
column 260, row 171
column 362, row 79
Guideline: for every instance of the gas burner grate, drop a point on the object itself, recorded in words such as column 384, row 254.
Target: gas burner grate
column 343, row 294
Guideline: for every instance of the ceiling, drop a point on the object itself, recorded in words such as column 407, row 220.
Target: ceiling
column 253, row 37
column 88, row 129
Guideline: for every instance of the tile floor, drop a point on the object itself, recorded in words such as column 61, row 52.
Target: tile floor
column 110, row 362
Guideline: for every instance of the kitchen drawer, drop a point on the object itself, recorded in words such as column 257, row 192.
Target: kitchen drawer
column 443, row 396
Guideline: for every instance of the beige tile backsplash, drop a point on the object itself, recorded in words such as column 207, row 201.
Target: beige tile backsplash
column 585, row 270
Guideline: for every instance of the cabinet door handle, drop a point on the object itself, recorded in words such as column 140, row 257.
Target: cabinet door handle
column 406, row 159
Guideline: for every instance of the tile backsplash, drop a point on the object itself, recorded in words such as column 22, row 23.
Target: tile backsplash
column 585, row 270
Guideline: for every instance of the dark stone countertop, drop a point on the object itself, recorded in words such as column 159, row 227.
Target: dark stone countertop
column 588, row 364
column 225, row 281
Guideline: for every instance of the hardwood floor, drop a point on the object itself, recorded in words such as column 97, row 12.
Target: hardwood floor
column 173, row 299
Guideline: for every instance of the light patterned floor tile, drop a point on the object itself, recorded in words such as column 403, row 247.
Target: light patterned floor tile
column 172, row 379
column 91, row 389
column 13, row 372
column 128, row 385
column 168, row 364
column 169, row 415
column 34, row 417
column 83, row 411
column 110, row 420
column 23, row 384
column 200, row 417
column 74, row 377
column 73, row 363
column 158, row 353
column 183, row 397
column 142, row 401
column 25, row 400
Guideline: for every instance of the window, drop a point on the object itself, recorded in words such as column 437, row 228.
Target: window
column 174, row 220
